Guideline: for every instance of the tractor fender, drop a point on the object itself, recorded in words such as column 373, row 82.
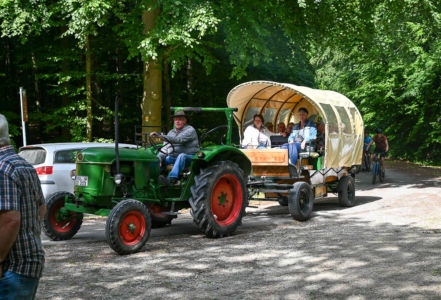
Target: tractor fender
column 220, row 153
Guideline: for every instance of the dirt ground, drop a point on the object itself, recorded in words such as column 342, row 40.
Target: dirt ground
column 388, row 246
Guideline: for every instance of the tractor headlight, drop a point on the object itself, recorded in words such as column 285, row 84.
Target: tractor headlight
column 118, row 178
column 73, row 174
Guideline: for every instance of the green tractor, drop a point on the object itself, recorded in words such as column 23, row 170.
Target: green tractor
column 123, row 185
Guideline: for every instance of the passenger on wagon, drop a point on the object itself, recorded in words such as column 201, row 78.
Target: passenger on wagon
column 320, row 142
column 302, row 133
column 270, row 128
column 256, row 136
column 289, row 128
column 281, row 129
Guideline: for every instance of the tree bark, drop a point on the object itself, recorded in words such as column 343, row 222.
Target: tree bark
column 167, row 87
column 189, row 82
column 65, row 130
column 37, row 122
column 36, row 83
column 152, row 77
column 89, row 119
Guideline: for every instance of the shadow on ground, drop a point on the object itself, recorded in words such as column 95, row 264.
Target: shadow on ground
column 401, row 175
column 330, row 258
column 271, row 256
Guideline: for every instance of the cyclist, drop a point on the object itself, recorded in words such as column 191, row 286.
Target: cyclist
column 381, row 146
column 367, row 140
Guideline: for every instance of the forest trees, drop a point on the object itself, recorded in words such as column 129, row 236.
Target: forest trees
column 75, row 56
column 388, row 62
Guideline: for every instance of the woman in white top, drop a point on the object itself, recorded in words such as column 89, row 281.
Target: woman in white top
column 256, row 136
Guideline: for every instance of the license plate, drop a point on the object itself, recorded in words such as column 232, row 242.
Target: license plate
column 81, row 180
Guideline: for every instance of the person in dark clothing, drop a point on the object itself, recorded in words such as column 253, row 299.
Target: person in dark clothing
column 320, row 141
column 381, row 146
column 21, row 210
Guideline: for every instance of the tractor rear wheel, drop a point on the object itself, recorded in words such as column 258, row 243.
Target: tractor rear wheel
column 219, row 199
column 346, row 191
column 128, row 226
column 300, row 201
column 59, row 225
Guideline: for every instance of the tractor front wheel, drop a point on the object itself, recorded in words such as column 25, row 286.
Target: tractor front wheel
column 219, row 199
column 58, row 224
column 128, row 227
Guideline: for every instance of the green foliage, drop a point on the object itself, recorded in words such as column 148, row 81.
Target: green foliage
column 383, row 54
column 391, row 69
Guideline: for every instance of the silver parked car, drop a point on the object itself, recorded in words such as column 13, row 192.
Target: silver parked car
column 54, row 162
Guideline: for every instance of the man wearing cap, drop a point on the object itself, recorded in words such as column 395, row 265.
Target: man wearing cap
column 302, row 133
column 185, row 142
column 21, row 210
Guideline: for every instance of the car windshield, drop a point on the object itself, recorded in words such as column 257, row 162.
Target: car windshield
column 34, row 156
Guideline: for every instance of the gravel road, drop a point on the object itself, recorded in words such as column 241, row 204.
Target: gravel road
column 388, row 246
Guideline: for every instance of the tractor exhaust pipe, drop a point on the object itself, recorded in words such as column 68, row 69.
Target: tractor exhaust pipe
column 118, row 176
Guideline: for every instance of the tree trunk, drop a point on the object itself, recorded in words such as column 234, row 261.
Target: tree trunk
column 152, row 77
column 167, row 87
column 36, row 122
column 189, row 82
column 36, row 84
column 65, row 130
column 89, row 91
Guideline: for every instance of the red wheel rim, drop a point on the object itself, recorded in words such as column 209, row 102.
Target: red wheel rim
column 226, row 199
column 58, row 221
column 132, row 227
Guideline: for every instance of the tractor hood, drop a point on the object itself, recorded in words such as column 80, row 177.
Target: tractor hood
column 107, row 155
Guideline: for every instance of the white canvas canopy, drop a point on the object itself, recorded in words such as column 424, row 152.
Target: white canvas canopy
column 279, row 102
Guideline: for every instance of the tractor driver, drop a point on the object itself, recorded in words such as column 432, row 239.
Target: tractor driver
column 186, row 144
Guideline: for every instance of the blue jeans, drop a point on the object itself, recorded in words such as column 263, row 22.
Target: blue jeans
column 293, row 151
column 180, row 163
column 15, row 286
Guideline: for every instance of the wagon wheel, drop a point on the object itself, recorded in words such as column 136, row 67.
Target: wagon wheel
column 283, row 200
column 128, row 226
column 219, row 199
column 300, row 201
column 57, row 224
column 346, row 191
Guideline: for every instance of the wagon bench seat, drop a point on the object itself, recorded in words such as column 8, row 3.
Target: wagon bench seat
column 268, row 162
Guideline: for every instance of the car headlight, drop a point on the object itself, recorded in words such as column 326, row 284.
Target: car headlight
column 118, row 178
column 73, row 174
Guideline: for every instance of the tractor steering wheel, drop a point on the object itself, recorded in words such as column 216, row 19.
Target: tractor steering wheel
column 159, row 148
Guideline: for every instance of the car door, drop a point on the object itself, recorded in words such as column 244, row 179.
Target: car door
column 64, row 162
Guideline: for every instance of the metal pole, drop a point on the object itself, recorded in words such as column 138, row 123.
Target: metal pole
column 23, row 124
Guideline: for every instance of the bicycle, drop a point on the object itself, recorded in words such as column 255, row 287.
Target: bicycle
column 366, row 161
column 377, row 169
